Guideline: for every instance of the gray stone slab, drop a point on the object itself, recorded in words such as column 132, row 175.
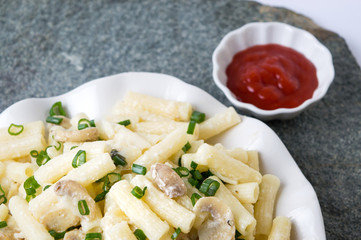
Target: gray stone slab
column 50, row 47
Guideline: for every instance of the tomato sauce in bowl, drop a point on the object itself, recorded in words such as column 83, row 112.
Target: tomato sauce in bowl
column 271, row 76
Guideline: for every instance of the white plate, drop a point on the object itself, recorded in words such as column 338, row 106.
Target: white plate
column 297, row 199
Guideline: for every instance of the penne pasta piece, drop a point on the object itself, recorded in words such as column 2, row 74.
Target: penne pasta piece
column 245, row 222
column 31, row 138
column 165, row 207
column 281, row 229
column 218, row 123
column 62, row 164
column 225, row 167
column 137, row 211
column 263, row 209
column 178, row 111
column 253, row 160
column 19, row 172
column 28, row 225
column 160, row 152
column 245, row 192
column 119, row 231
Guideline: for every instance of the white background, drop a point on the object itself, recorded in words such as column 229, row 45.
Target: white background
column 340, row 16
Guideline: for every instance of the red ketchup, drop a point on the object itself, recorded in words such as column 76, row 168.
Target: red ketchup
column 271, row 76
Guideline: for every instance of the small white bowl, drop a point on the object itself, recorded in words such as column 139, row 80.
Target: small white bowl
column 280, row 33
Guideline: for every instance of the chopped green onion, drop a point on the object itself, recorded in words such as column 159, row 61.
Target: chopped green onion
column 57, row 109
column 54, row 120
column 182, row 171
column 209, row 187
column 3, row 198
column 194, row 198
column 196, row 174
column 207, row 174
column 46, row 187
column 34, row 153
column 138, row 192
column 192, row 181
column 57, row 147
column 180, row 161
column 176, row 233
column 198, row 117
column 3, row 224
column 125, row 122
column 30, row 186
column 79, row 159
column 93, row 236
column 15, row 129
column 139, row 234
column 191, row 127
column 42, row 158
column 139, row 169
column 57, row 235
column 100, row 196
column 238, row 235
column 85, row 123
column 186, row 147
column 109, row 180
column 83, row 207
column 73, row 147
column 194, row 165
column 117, row 158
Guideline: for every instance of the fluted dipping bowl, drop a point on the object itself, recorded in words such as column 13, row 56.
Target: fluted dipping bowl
column 258, row 33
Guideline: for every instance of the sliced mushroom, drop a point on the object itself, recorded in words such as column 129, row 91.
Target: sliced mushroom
column 60, row 219
column 8, row 234
column 64, row 135
column 168, row 180
column 76, row 192
column 221, row 223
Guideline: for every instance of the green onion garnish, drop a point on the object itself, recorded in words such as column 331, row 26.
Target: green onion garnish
column 3, row 198
column 139, row 234
column 238, row 236
column 57, row 109
column 15, row 129
column 100, row 196
column 186, row 147
column 194, row 198
column 209, row 187
column 79, row 159
column 194, row 165
column 42, row 158
column 176, row 233
column 182, row 171
column 3, row 224
column 139, row 169
column 54, row 120
column 118, row 159
column 108, row 181
column 46, row 187
column 191, row 127
column 198, row 117
column 57, row 147
column 196, row 174
column 180, row 161
column 30, row 186
column 83, row 207
column 34, row 153
column 73, row 147
column 85, row 123
column 192, row 181
column 93, row 236
column 57, row 235
column 138, row 192
column 125, row 122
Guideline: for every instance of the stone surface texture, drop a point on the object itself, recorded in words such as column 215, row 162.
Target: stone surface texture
column 50, row 47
